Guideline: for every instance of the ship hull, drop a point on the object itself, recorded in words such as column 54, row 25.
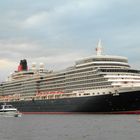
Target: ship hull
column 124, row 103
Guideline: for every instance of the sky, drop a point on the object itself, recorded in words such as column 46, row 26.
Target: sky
column 58, row 32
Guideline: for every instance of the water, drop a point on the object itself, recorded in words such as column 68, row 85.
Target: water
column 70, row 127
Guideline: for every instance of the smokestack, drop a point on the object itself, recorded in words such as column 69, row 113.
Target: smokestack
column 23, row 65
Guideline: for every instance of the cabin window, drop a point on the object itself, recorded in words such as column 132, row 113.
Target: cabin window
column 86, row 93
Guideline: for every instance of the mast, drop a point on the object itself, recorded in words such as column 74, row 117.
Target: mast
column 99, row 48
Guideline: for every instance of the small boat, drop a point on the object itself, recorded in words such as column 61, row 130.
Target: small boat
column 9, row 111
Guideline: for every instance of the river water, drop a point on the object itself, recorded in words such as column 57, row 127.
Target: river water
column 70, row 127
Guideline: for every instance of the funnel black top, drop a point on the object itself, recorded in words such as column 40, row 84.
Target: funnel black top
column 23, row 63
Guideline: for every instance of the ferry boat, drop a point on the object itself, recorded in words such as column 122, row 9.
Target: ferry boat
column 95, row 84
column 9, row 111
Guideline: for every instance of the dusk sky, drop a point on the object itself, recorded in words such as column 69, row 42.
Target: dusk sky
column 58, row 32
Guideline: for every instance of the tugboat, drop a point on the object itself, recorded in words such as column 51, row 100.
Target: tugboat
column 9, row 111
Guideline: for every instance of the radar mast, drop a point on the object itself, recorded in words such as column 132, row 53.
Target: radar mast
column 99, row 48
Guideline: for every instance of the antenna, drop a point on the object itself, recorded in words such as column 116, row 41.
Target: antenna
column 99, row 48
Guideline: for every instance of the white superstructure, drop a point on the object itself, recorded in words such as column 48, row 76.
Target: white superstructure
column 96, row 75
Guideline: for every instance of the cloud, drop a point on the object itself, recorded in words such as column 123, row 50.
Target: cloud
column 15, row 51
column 35, row 20
column 6, row 63
column 6, row 67
column 58, row 32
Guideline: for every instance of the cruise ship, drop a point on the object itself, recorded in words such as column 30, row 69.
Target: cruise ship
column 100, row 84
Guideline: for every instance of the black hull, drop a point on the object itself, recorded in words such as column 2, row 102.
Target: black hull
column 124, row 103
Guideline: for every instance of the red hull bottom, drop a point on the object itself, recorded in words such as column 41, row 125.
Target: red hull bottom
column 121, row 112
